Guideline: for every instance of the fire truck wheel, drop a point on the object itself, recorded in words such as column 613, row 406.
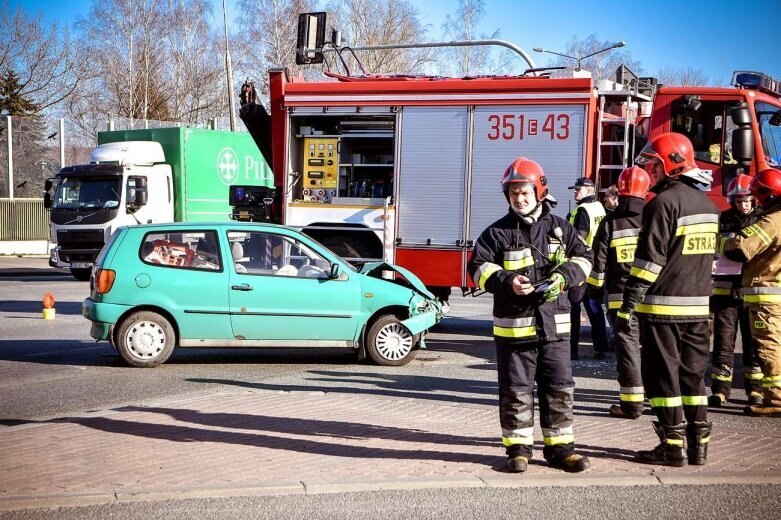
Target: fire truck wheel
column 145, row 339
column 81, row 274
column 389, row 343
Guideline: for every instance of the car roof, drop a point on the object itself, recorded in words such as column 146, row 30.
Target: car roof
column 183, row 226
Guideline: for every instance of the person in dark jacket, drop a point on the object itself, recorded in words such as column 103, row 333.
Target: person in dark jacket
column 669, row 286
column 526, row 260
column 729, row 311
column 585, row 218
column 614, row 252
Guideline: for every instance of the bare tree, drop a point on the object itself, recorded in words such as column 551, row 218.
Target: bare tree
column 267, row 37
column 681, row 76
column 48, row 65
column 470, row 61
column 376, row 22
column 601, row 66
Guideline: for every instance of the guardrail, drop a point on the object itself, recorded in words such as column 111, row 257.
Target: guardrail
column 23, row 219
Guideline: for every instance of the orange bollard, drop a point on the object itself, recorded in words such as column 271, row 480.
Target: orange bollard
column 48, row 306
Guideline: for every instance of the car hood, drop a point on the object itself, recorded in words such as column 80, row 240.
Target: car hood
column 414, row 281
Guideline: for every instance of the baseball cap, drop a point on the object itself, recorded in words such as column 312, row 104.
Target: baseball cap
column 583, row 181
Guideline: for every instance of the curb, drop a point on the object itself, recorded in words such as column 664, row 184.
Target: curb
column 303, row 488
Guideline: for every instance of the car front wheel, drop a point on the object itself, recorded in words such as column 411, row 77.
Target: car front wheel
column 145, row 339
column 389, row 343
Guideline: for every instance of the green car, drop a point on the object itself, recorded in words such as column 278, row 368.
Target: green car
column 231, row 284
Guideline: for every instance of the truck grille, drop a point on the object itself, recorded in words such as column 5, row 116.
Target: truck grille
column 87, row 239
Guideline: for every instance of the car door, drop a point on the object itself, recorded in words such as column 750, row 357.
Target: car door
column 280, row 291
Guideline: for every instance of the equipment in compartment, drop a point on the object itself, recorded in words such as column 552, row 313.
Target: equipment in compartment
column 321, row 168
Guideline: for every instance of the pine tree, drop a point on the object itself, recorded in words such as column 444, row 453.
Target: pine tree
column 12, row 102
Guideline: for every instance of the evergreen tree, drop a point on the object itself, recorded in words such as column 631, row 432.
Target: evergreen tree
column 12, row 102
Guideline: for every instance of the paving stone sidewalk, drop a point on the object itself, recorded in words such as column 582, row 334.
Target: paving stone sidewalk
column 283, row 443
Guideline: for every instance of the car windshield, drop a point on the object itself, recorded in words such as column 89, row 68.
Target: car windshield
column 75, row 193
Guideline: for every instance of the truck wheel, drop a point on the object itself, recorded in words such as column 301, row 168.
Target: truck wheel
column 389, row 343
column 145, row 339
column 81, row 274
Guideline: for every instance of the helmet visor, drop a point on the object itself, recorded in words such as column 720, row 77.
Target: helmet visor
column 646, row 154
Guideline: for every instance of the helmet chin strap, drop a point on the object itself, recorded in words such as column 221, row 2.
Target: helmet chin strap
column 529, row 212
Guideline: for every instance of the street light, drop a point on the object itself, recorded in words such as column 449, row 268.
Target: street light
column 581, row 58
column 228, row 70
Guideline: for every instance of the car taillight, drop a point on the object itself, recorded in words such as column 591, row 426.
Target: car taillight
column 105, row 280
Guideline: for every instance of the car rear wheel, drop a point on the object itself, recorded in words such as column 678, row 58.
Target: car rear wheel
column 389, row 343
column 145, row 339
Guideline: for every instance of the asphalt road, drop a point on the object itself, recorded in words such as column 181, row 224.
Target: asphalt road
column 54, row 369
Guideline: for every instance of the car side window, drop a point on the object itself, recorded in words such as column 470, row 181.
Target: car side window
column 272, row 254
column 191, row 250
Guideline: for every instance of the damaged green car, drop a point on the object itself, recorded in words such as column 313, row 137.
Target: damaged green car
column 232, row 284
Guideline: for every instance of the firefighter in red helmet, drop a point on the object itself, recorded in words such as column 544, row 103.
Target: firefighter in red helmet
column 526, row 259
column 614, row 251
column 729, row 312
column 759, row 246
column 669, row 288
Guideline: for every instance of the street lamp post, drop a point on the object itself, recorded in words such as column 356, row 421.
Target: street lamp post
column 581, row 58
column 228, row 70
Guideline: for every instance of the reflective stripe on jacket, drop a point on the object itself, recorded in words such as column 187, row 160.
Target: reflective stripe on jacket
column 760, row 246
column 674, row 256
column 512, row 246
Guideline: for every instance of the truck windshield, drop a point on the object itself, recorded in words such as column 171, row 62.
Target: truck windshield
column 75, row 193
column 769, row 120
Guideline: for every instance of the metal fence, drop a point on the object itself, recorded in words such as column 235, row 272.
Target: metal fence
column 23, row 219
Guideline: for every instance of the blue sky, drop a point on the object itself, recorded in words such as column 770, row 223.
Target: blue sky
column 716, row 36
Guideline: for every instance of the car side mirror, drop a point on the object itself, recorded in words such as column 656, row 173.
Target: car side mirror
column 742, row 136
column 137, row 194
column 334, row 272
column 47, row 200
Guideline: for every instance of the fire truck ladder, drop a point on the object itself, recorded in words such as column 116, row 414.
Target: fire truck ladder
column 609, row 128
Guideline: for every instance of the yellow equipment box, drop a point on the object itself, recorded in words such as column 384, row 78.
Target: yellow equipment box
column 321, row 164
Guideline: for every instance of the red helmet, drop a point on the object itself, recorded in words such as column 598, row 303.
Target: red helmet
column 634, row 182
column 674, row 150
column 526, row 171
column 766, row 187
column 740, row 185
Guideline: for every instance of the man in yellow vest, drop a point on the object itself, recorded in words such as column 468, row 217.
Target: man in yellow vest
column 585, row 218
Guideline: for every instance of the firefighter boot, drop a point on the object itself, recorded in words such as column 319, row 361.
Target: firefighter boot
column 564, row 457
column 753, row 385
column 669, row 452
column 697, row 438
column 721, row 377
column 617, row 411
column 518, row 459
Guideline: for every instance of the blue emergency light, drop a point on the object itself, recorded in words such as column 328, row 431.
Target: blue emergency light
column 756, row 81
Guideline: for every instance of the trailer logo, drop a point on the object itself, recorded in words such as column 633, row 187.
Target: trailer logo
column 228, row 166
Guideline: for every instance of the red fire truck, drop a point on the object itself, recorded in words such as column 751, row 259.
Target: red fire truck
column 406, row 169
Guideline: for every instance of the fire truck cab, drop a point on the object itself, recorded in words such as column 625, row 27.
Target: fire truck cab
column 710, row 118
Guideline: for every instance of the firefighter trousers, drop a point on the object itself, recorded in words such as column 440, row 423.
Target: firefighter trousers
column 547, row 363
column 729, row 315
column 765, row 321
column 630, row 379
column 674, row 359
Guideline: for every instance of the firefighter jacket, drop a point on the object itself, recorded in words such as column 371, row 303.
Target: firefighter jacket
column 586, row 217
column 759, row 245
column 512, row 246
column 670, row 278
column 614, row 250
column 727, row 276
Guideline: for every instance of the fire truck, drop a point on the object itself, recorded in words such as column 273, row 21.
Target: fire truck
column 406, row 169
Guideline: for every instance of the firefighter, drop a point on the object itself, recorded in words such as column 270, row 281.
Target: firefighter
column 614, row 252
column 727, row 306
column 669, row 287
column 759, row 246
column 526, row 260
column 586, row 218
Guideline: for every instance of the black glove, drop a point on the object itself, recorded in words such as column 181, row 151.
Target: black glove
column 623, row 321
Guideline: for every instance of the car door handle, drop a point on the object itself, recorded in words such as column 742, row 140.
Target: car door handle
column 242, row 287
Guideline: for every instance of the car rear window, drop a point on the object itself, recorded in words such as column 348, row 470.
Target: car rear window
column 182, row 250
